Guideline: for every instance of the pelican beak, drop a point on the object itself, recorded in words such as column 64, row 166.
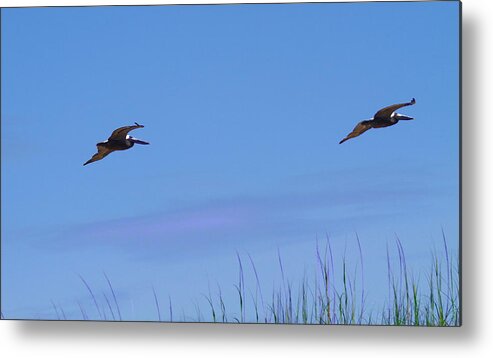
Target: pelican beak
column 138, row 141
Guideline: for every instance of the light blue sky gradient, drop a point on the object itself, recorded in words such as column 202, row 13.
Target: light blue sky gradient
column 244, row 106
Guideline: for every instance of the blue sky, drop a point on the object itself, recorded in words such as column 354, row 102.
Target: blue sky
column 244, row 107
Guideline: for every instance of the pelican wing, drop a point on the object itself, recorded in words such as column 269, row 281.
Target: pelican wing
column 386, row 112
column 102, row 152
column 121, row 133
column 360, row 128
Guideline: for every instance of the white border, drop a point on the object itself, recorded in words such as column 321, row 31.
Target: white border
column 16, row 3
column 474, row 339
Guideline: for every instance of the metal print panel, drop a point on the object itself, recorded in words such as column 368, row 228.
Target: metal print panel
column 261, row 163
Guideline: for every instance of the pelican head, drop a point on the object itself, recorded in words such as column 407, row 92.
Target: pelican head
column 135, row 140
column 401, row 117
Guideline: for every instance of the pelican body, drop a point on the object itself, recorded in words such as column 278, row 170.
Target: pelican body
column 383, row 118
column 119, row 140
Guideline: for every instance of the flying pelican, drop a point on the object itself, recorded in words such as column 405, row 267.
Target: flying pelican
column 119, row 140
column 383, row 118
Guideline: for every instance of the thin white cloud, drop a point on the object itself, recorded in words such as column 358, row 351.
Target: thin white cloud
column 210, row 225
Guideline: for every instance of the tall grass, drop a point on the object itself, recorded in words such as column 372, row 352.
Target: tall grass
column 336, row 295
column 437, row 304
column 333, row 294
